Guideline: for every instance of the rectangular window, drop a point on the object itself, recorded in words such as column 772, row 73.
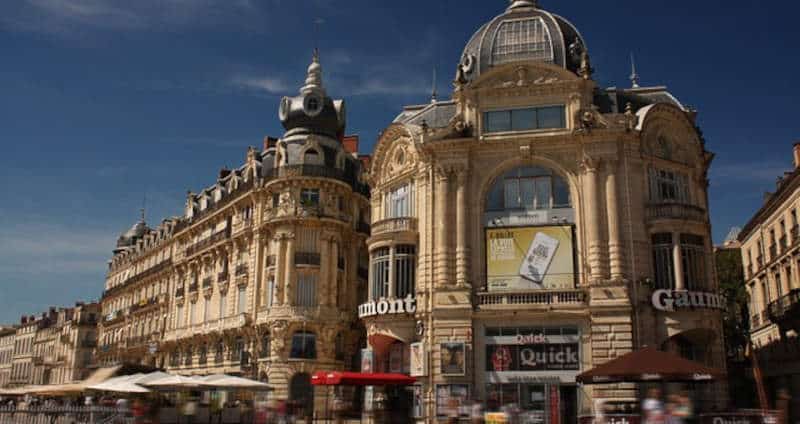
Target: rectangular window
column 179, row 317
column 304, row 346
column 380, row 274
column 270, row 292
column 223, row 305
column 242, row 308
column 192, row 313
column 399, row 202
column 543, row 192
column 309, row 197
column 663, row 269
column 306, row 295
column 404, row 271
column 512, row 197
column 694, row 261
column 668, row 187
column 524, row 119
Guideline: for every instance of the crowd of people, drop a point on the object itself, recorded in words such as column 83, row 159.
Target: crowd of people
column 676, row 410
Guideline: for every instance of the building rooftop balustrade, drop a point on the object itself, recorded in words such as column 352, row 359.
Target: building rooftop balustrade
column 678, row 211
column 499, row 300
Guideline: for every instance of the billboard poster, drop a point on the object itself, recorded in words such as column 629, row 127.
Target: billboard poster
column 418, row 360
column 453, row 358
column 530, row 258
column 367, row 358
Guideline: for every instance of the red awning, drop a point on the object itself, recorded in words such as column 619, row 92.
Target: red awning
column 649, row 365
column 340, row 378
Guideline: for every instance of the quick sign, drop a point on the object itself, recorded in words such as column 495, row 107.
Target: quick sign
column 673, row 300
column 537, row 357
column 388, row 307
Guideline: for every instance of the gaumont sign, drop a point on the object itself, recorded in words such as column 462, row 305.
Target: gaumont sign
column 388, row 307
column 673, row 300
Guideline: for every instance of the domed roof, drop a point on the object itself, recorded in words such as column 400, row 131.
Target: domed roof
column 524, row 32
column 312, row 111
column 130, row 237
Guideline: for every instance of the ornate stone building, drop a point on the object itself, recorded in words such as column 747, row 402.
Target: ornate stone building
column 771, row 258
column 53, row 348
column 538, row 225
column 260, row 275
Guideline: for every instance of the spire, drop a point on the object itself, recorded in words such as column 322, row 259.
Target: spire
column 522, row 3
column 433, row 89
column 634, row 75
column 314, row 77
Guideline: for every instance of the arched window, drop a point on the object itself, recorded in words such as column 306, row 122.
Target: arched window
column 529, row 188
column 304, row 345
column 311, row 157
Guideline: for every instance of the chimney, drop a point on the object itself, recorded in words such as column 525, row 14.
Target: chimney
column 796, row 151
column 269, row 142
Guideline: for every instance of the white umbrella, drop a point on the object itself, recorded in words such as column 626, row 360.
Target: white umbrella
column 230, row 382
column 173, row 382
column 129, row 383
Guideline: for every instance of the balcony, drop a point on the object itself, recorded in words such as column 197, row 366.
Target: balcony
column 786, row 311
column 88, row 343
column 223, row 277
column 394, row 225
column 208, row 242
column 755, row 321
column 207, row 283
column 240, row 270
column 678, row 211
column 242, row 225
column 543, row 298
column 180, row 292
column 307, row 258
column 318, row 171
column 193, row 287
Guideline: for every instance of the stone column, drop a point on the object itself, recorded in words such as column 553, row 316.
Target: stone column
column 442, row 227
column 677, row 262
column 280, row 258
column 334, row 272
column 324, row 268
column 289, row 273
column 462, row 251
column 592, row 213
column 612, row 206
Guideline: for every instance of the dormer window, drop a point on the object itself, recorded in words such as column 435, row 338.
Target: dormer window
column 527, row 119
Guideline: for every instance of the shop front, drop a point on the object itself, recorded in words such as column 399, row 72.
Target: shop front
column 531, row 371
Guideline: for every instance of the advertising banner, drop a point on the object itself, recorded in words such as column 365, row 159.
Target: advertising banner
column 453, row 358
column 419, row 360
column 529, row 258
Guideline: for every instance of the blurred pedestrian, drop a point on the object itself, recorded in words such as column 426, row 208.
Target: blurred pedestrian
column 653, row 408
column 476, row 415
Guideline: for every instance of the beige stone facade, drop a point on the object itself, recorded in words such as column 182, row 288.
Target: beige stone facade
column 617, row 176
column 53, row 348
column 771, row 259
column 259, row 276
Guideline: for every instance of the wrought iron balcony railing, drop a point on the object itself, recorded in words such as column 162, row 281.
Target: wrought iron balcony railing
column 678, row 211
column 785, row 308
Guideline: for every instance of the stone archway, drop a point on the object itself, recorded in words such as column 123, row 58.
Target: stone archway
column 301, row 394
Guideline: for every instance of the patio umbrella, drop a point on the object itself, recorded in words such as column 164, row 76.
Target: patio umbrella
column 128, row 383
column 173, row 382
column 649, row 365
column 222, row 381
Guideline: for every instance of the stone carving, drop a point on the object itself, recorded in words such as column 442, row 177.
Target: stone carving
column 278, row 340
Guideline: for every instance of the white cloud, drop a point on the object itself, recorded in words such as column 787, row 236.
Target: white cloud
column 269, row 85
column 48, row 250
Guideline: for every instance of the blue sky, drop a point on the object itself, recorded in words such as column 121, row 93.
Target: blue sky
column 105, row 101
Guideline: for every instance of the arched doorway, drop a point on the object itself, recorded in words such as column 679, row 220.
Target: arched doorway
column 301, row 394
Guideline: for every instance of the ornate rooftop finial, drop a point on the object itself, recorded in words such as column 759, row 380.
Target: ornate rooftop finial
column 634, row 75
column 522, row 3
column 314, row 77
column 433, row 88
